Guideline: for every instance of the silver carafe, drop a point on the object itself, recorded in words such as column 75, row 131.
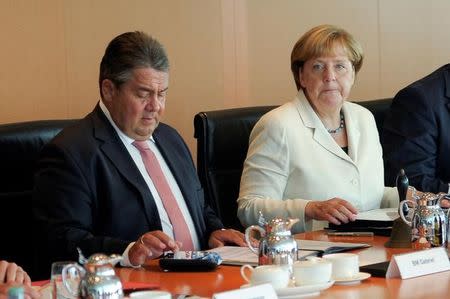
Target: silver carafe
column 429, row 223
column 98, row 278
column 277, row 245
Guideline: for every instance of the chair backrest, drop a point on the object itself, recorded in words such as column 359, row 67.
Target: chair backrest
column 379, row 109
column 20, row 144
column 222, row 144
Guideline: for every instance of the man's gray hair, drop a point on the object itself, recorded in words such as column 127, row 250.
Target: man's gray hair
column 129, row 51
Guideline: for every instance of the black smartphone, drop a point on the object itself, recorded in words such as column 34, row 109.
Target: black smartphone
column 189, row 261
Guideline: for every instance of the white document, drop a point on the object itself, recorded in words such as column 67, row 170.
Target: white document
column 389, row 214
column 234, row 255
column 262, row 291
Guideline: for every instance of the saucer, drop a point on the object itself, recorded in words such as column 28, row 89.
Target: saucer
column 353, row 280
column 303, row 291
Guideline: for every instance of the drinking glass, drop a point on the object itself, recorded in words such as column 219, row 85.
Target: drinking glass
column 59, row 290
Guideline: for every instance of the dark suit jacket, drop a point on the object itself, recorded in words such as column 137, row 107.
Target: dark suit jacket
column 89, row 192
column 416, row 133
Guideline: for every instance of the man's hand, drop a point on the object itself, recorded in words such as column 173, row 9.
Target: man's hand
column 221, row 237
column 151, row 245
column 10, row 272
column 335, row 210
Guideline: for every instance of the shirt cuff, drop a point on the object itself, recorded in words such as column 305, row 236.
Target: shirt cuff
column 125, row 262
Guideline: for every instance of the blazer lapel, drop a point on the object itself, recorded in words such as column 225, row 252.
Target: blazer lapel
column 114, row 149
column 353, row 134
column 320, row 134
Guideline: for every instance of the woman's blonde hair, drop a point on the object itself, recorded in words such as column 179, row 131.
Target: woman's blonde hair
column 321, row 41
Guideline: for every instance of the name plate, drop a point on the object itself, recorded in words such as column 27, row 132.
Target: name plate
column 418, row 263
column 262, row 291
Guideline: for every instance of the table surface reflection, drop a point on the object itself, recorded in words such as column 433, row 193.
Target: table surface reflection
column 225, row 278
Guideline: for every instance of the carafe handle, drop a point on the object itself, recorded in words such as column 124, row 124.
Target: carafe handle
column 404, row 210
column 248, row 231
column 448, row 215
column 66, row 278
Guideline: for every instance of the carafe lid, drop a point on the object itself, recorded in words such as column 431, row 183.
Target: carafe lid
column 99, row 258
column 277, row 224
column 428, row 199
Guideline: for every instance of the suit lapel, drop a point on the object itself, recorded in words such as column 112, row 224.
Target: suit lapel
column 447, row 85
column 320, row 134
column 118, row 155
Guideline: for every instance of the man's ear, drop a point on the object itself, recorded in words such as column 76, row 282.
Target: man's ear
column 108, row 90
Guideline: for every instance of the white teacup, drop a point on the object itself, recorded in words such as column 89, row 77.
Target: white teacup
column 345, row 265
column 312, row 271
column 277, row 276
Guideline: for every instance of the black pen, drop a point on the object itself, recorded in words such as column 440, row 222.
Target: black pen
column 351, row 234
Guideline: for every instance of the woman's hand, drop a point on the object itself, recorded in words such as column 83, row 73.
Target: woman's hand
column 445, row 200
column 445, row 203
column 335, row 210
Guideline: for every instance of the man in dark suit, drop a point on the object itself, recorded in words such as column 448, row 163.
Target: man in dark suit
column 416, row 133
column 94, row 187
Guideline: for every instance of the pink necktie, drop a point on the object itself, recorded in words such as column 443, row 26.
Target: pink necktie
column 180, row 228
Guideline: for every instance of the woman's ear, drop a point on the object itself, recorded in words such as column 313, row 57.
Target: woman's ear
column 301, row 80
column 353, row 75
column 108, row 90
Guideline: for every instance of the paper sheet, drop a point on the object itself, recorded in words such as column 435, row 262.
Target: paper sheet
column 233, row 255
column 389, row 214
column 46, row 289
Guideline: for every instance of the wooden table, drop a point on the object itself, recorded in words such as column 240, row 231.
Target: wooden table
column 205, row 284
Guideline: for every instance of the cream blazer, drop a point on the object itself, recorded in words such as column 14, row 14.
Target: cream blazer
column 292, row 159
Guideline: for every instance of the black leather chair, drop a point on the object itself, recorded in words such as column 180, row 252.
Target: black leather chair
column 20, row 144
column 222, row 144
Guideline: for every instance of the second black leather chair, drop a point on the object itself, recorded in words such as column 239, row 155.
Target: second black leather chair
column 222, row 143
